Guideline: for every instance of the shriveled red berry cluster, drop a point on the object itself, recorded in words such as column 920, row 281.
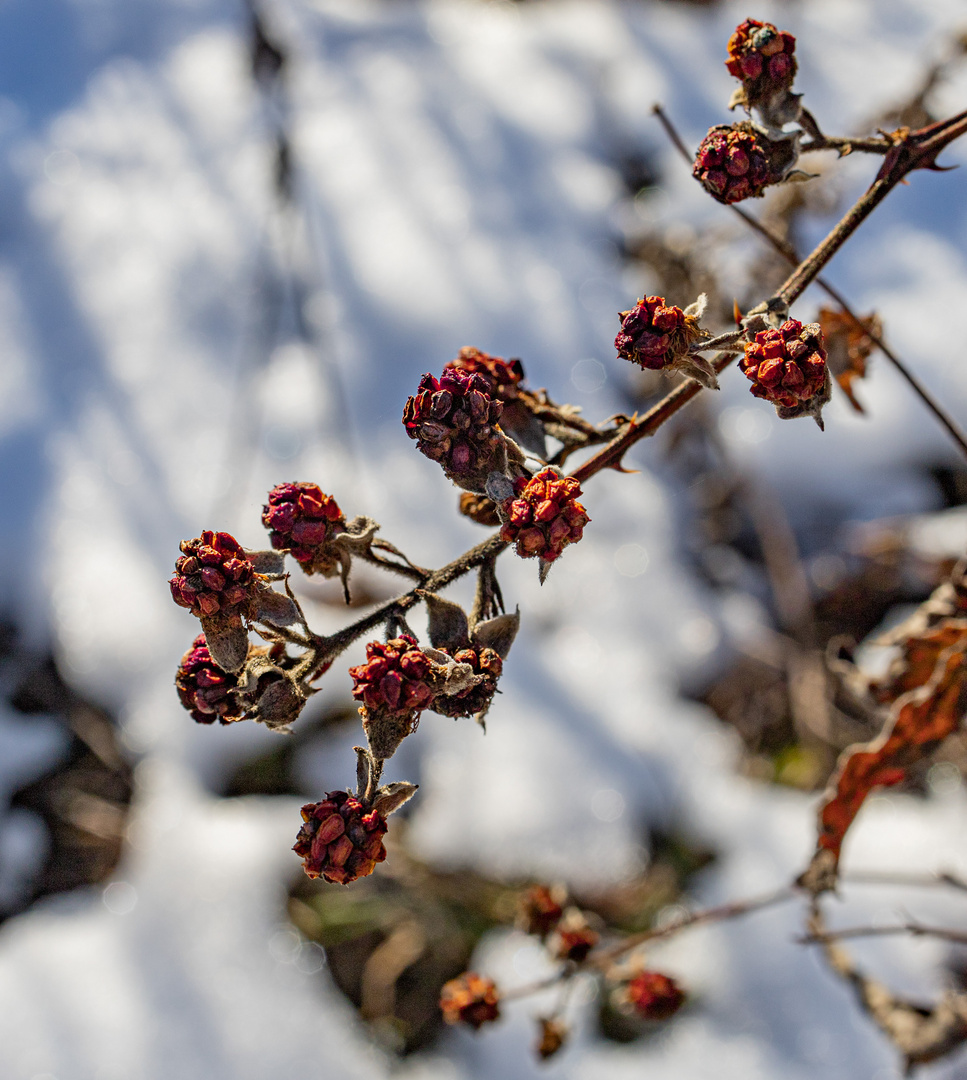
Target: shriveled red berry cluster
column 214, row 576
column 207, row 692
column 503, row 375
column 786, row 366
column 653, row 996
column 393, row 679
column 475, row 699
column 653, row 334
column 341, row 840
column 760, row 54
column 543, row 516
column 470, row 999
column 302, row 519
column 454, row 421
column 573, row 937
column 732, row 163
column 539, row 910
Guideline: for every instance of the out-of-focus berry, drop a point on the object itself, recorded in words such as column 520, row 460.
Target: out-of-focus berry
column 651, row 995
column 470, row 999
column 340, row 840
column 573, row 937
column 540, row 909
column 552, row 1034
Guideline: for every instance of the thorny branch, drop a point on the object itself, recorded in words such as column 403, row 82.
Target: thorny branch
column 789, row 253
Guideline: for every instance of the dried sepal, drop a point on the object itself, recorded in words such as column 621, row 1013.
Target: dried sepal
column 391, row 797
column 227, row 641
column 448, row 626
column 277, row 609
column 497, row 633
column 479, row 508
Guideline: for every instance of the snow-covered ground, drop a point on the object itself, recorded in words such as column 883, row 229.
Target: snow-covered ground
column 452, row 185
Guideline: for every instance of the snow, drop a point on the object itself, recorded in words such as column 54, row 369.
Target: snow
column 452, row 187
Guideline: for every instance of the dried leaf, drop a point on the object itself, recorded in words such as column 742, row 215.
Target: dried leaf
column 919, row 720
column 848, row 347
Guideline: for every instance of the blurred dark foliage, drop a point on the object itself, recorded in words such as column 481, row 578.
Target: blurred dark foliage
column 84, row 797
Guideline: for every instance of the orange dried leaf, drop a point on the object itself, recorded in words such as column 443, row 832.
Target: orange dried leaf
column 920, row 719
column 848, row 347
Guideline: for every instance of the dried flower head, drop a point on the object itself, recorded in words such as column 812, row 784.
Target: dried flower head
column 394, row 687
column 303, row 520
column 764, row 59
column 503, row 375
column 733, row 163
column 573, row 937
column 651, row 995
column 787, row 366
column 758, row 51
column 341, row 839
column 654, row 334
column 475, row 699
column 207, row 692
column 543, row 516
column 470, row 999
column 214, row 576
column 454, row 421
column 540, row 909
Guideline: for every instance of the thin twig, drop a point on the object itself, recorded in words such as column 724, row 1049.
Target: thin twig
column 734, row 910
column 610, row 456
column 915, row 929
column 899, row 877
